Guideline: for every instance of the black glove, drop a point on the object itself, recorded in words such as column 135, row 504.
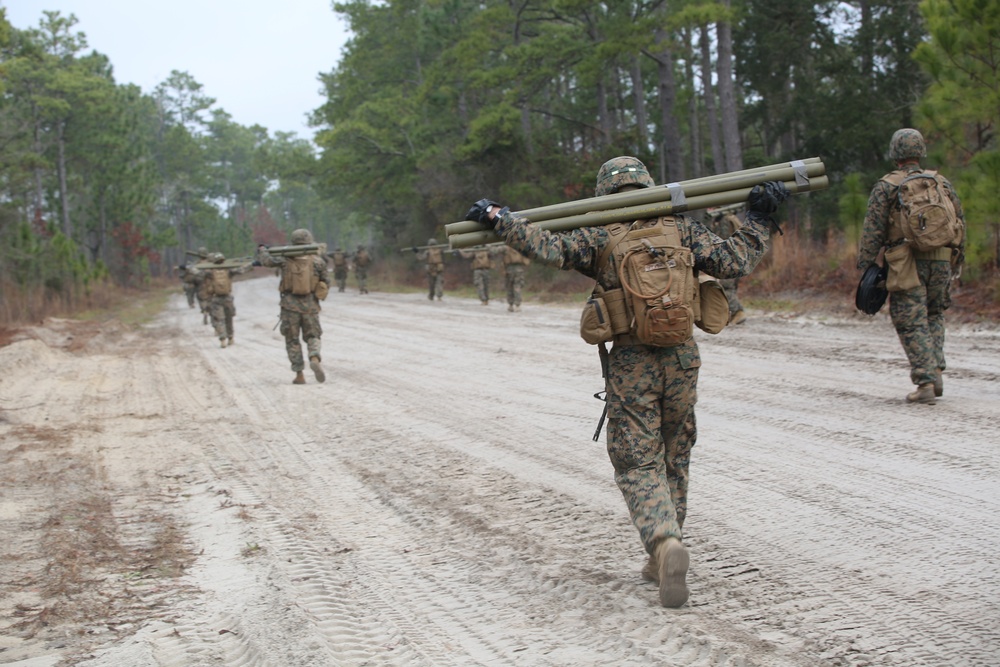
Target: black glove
column 764, row 200
column 256, row 262
column 481, row 209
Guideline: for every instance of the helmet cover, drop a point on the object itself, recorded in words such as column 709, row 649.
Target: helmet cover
column 301, row 237
column 907, row 144
column 619, row 172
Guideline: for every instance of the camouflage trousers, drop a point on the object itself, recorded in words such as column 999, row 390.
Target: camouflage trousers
column 189, row 292
column 918, row 315
column 514, row 283
column 481, row 279
column 651, row 430
column 729, row 286
column 340, row 275
column 362, row 276
column 435, row 285
column 295, row 325
column 222, row 309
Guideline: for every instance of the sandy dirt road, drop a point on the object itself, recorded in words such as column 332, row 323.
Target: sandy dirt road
column 440, row 500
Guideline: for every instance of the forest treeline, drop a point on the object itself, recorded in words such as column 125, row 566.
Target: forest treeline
column 435, row 103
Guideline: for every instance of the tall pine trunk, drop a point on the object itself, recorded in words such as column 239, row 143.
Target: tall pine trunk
column 639, row 102
column 672, row 152
column 63, row 188
column 727, row 97
column 708, row 91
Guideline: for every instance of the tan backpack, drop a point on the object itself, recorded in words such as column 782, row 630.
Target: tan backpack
column 435, row 261
column 222, row 282
column 926, row 214
column 362, row 258
column 298, row 277
column 660, row 299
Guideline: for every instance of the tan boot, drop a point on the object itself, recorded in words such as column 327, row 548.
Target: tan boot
column 231, row 342
column 222, row 342
column 923, row 394
column 938, row 383
column 672, row 559
column 651, row 570
column 739, row 317
column 317, row 369
column 299, row 378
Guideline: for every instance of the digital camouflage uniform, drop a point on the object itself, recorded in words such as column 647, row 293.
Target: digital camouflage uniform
column 514, row 264
column 723, row 226
column 434, row 258
column 339, row 268
column 362, row 260
column 918, row 313
column 222, row 307
column 299, row 317
column 482, row 264
column 651, row 391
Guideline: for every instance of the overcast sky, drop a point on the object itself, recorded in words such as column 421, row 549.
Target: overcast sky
column 259, row 59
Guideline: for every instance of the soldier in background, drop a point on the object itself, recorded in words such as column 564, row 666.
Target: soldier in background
column 219, row 289
column 362, row 260
column 514, row 264
column 189, row 279
column 434, row 261
column 339, row 258
column 482, row 264
column 724, row 224
column 651, row 389
column 918, row 282
column 304, row 283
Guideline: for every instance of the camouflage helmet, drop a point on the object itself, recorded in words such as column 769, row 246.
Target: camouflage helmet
column 619, row 172
column 907, row 144
column 203, row 251
column 431, row 242
column 217, row 258
column 301, row 237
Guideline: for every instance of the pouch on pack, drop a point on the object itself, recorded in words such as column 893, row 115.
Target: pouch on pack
column 713, row 312
column 601, row 313
column 902, row 268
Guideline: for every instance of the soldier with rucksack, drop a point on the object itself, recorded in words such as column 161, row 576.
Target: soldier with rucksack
column 219, row 290
column 362, row 260
column 915, row 215
column 645, row 302
column 339, row 258
column 433, row 259
column 304, row 282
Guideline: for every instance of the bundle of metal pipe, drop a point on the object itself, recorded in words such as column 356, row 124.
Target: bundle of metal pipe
column 720, row 190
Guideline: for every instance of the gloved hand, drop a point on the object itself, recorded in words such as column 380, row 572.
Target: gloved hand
column 765, row 198
column 486, row 211
column 256, row 262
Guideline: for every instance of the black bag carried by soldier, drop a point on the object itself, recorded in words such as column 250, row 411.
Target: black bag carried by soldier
column 871, row 294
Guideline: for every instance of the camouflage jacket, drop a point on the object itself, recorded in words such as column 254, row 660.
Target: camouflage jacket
column 307, row 304
column 580, row 249
column 882, row 204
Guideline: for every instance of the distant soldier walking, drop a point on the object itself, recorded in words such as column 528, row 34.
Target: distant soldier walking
column 434, row 262
column 219, row 289
column 304, row 283
column 362, row 260
column 189, row 279
column 482, row 264
column 725, row 225
column 916, row 217
column 339, row 258
column 514, row 264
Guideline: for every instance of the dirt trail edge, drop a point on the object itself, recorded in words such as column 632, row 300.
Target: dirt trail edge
column 439, row 500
